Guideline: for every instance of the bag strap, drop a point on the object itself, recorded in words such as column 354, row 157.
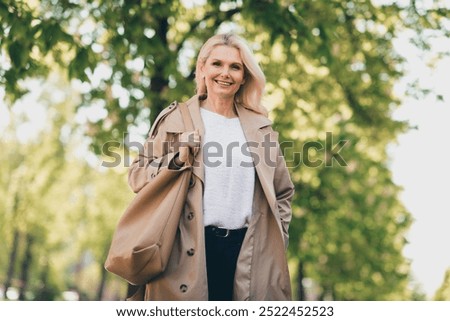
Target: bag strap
column 188, row 126
column 187, row 119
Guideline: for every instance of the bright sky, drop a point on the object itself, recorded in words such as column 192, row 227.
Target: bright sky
column 419, row 164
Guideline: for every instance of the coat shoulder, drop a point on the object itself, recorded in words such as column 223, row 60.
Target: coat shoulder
column 166, row 117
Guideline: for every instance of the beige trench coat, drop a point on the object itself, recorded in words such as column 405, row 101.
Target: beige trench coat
column 261, row 272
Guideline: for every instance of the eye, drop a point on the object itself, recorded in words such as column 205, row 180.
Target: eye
column 236, row 67
column 216, row 63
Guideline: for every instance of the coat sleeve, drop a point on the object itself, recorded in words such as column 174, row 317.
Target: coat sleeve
column 284, row 191
column 156, row 155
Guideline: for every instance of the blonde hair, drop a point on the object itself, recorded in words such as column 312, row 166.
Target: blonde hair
column 250, row 93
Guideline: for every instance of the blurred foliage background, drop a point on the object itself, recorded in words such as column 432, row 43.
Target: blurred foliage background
column 103, row 70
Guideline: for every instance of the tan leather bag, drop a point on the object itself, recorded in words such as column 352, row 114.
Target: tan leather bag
column 144, row 237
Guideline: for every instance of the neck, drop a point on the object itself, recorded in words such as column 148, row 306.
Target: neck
column 221, row 106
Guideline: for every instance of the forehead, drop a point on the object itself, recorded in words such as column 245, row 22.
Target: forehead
column 226, row 53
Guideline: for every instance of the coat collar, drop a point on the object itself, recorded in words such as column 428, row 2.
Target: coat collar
column 251, row 120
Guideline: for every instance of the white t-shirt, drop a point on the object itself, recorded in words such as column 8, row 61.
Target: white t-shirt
column 229, row 172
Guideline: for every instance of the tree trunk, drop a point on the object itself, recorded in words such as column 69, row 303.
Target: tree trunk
column 300, row 288
column 101, row 287
column 159, row 81
column 26, row 265
column 12, row 260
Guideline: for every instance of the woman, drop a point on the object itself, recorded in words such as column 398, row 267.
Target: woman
column 233, row 233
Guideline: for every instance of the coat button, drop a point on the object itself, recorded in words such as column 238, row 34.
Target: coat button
column 183, row 288
column 190, row 216
column 190, row 252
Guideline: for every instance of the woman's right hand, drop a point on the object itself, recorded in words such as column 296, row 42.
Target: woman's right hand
column 189, row 145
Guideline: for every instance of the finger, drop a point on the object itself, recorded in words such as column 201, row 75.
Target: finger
column 191, row 136
column 187, row 134
column 195, row 150
column 190, row 143
column 194, row 138
column 184, row 152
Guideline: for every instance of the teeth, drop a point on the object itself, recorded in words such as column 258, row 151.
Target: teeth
column 223, row 83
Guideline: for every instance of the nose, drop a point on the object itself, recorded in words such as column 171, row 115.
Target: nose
column 225, row 72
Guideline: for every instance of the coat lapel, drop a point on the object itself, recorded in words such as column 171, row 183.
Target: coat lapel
column 252, row 125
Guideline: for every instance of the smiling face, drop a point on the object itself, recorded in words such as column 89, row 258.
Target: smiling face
column 223, row 71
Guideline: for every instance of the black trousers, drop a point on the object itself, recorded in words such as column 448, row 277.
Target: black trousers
column 222, row 251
